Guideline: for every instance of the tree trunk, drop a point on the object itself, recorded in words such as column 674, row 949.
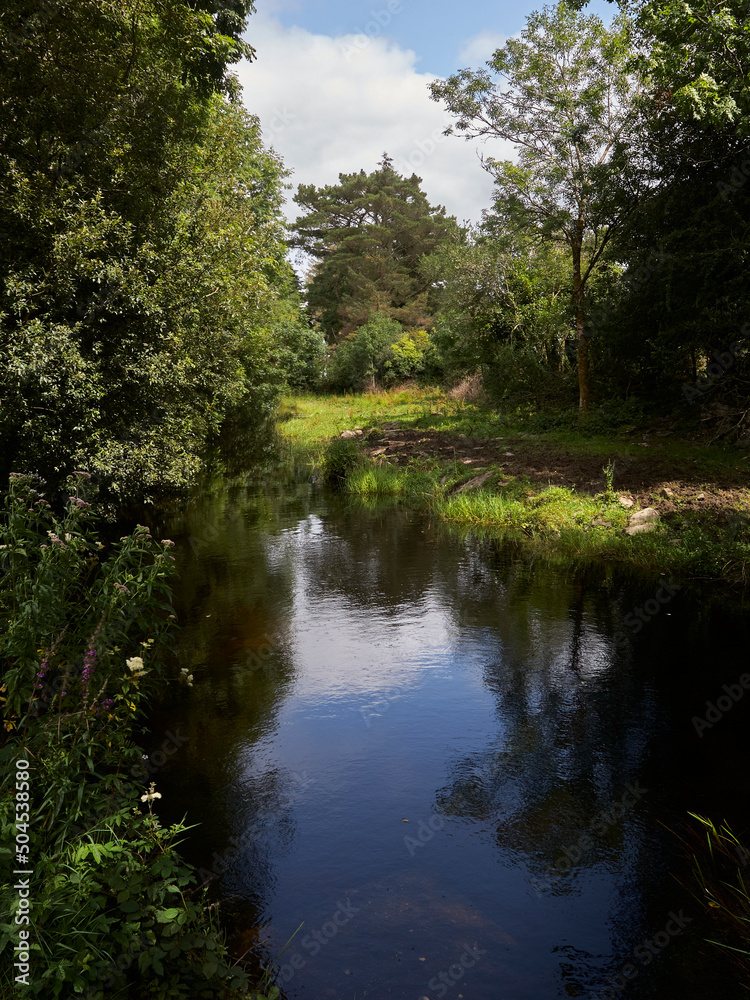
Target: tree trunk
column 583, row 345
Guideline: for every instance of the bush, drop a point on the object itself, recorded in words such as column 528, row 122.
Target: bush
column 380, row 353
column 519, row 375
column 84, row 640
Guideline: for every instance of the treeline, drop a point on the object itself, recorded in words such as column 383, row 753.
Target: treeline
column 610, row 270
column 145, row 295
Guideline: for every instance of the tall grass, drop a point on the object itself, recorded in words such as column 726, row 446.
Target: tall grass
column 557, row 522
column 721, row 868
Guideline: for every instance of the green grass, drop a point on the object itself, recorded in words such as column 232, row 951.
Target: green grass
column 310, row 421
column 554, row 522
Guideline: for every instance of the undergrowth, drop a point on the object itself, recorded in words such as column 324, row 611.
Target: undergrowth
column 109, row 909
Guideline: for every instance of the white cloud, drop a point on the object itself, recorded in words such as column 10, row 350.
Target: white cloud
column 335, row 105
column 477, row 50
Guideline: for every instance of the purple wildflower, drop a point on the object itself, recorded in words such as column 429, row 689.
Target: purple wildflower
column 41, row 673
column 86, row 474
column 167, row 541
column 88, row 666
column 79, row 502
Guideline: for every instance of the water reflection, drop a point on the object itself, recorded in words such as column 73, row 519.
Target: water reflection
column 438, row 759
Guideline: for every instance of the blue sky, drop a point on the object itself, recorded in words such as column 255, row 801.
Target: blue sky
column 335, row 84
column 436, row 31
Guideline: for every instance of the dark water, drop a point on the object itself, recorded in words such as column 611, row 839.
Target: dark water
column 454, row 769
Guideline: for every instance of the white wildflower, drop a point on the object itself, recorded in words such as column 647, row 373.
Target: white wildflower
column 135, row 666
column 151, row 794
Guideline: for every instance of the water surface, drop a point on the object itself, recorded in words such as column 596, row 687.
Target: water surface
column 453, row 771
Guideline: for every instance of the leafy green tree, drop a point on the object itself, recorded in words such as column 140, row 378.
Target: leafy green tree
column 504, row 310
column 365, row 354
column 563, row 95
column 381, row 353
column 142, row 243
column 301, row 346
column 683, row 297
column 693, row 57
column 367, row 235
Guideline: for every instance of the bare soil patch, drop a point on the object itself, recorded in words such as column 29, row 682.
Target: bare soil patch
column 638, row 476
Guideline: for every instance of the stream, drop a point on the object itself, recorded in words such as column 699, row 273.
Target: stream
column 424, row 766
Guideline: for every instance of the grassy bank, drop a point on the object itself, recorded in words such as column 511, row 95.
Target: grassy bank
column 567, row 493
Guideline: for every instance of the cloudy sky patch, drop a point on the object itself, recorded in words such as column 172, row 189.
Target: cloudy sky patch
column 336, row 83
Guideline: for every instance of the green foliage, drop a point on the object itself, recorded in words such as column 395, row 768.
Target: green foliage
column 563, row 96
column 523, row 376
column 695, row 55
column 142, row 244
column 57, row 598
column 682, row 297
column 114, row 911
column 505, row 311
column 359, row 359
column 367, row 235
column 719, row 863
column 413, row 357
column 301, row 346
column 380, row 353
column 340, row 458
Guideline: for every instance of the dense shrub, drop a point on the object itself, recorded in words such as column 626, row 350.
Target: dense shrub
column 380, row 353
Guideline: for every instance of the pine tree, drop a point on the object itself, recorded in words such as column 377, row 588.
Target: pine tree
column 368, row 235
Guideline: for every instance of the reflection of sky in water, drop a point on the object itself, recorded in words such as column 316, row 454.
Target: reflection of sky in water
column 439, row 745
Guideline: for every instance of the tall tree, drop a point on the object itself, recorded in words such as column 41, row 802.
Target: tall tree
column 140, row 236
column 686, row 250
column 367, row 235
column 562, row 94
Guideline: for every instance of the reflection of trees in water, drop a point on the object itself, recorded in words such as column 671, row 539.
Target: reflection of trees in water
column 576, row 717
column 576, row 726
column 573, row 722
